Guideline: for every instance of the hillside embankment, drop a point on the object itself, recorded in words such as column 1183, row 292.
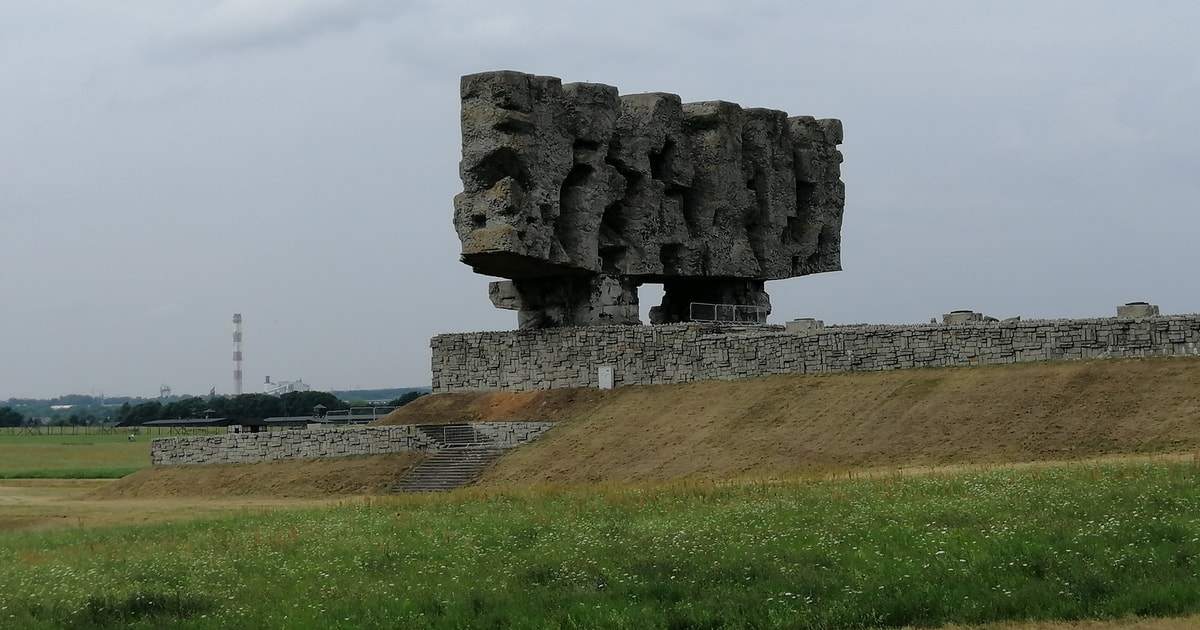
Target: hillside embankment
column 787, row 426
column 771, row 427
column 821, row 424
column 291, row 479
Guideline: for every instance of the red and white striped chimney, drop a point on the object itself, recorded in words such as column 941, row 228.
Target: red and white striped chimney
column 237, row 354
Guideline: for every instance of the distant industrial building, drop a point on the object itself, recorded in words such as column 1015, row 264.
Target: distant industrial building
column 283, row 387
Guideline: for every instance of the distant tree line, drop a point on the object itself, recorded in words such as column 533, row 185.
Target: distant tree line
column 87, row 410
column 368, row 395
column 68, row 410
column 11, row 418
column 243, row 408
column 406, row 398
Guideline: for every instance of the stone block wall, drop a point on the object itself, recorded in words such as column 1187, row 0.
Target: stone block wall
column 245, row 448
column 511, row 434
column 644, row 355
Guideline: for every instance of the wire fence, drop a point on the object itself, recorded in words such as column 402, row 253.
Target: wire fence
column 57, row 430
column 357, row 415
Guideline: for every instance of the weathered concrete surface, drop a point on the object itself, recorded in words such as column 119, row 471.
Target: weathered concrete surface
column 1137, row 309
column 578, row 195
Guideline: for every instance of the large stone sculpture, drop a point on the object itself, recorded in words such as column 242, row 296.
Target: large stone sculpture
column 579, row 195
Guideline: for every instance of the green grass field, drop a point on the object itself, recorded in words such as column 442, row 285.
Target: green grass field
column 1084, row 541
column 97, row 456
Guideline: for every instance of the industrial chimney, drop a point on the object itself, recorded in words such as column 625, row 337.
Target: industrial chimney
column 237, row 354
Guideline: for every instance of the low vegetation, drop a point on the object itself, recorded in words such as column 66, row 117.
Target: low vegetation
column 1086, row 541
column 89, row 456
column 908, row 499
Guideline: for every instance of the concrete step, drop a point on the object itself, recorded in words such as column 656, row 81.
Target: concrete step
column 448, row 469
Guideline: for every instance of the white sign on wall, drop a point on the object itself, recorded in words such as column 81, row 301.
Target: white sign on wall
column 604, row 375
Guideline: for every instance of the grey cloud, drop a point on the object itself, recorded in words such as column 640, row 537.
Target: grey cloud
column 1017, row 158
column 238, row 25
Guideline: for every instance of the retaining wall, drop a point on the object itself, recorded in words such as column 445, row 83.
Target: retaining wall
column 242, row 448
column 643, row 355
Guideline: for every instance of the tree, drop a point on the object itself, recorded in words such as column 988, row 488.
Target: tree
column 407, row 398
column 187, row 408
column 252, row 407
column 10, row 418
column 139, row 414
column 302, row 403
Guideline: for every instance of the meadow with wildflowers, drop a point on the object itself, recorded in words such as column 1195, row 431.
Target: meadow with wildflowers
column 1068, row 542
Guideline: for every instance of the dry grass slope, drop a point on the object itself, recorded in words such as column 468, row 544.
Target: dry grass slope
column 295, row 479
column 782, row 426
column 769, row 427
column 817, row 424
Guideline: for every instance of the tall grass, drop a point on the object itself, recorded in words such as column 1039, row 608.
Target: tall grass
column 103, row 456
column 1059, row 543
column 104, row 472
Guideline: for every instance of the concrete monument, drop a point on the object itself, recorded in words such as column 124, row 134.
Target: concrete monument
column 578, row 195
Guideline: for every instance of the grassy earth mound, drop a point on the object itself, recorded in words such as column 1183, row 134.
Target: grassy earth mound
column 753, row 429
column 779, row 426
column 821, row 424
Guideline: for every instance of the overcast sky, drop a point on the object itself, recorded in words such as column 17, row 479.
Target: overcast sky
column 164, row 165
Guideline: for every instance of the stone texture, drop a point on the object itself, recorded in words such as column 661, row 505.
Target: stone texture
column 248, row 448
column 680, row 353
column 579, row 195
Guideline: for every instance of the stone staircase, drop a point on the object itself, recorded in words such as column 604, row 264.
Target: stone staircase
column 453, row 435
column 448, row 469
column 462, row 454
